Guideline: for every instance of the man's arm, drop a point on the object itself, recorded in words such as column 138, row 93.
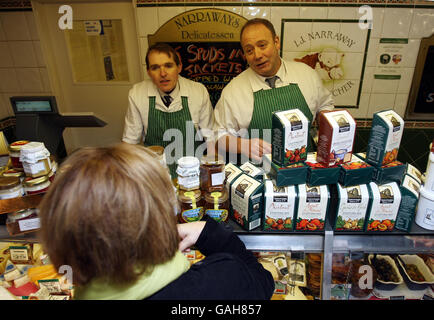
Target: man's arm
column 133, row 127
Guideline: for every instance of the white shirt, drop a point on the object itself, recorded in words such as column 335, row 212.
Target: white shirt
column 234, row 109
column 136, row 119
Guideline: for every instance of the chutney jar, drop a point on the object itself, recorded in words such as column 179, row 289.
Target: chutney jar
column 217, row 205
column 191, row 206
column 36, row 185
column 10, row 187
column 14, row 153
column 188, row 173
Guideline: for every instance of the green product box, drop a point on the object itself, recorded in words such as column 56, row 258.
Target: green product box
column 231, row 173
column 413, row 172
column 285, row 176
column 290, row 137
column 350, row 207
column 280, row 204
column 247, row 201
column 385, row 138
column 409, row 198
column 392, row 172
column 355, row 172
column 253, row 171
column 318, row 174
column 386, row 199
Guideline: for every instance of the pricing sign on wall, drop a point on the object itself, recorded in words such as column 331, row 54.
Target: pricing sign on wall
column 208, row 43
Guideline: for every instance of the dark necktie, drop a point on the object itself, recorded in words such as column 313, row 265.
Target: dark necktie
column 167, row 100
column 272, row 81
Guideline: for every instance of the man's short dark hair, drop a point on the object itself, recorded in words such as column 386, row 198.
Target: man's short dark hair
column 163, row 48
column 255, row 21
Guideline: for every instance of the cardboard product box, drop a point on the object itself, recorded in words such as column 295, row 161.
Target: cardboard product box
column 391, row 172
column 355, row 172
column 385, row 138
column 247, row 201
column 386, row 199
column 335, row 137
column 351, row 206
column 279, row 207
column 313, row 206
column 253, row 171
column 318, row 174
column 231, row 173
column 290, row 137
column 409, row 188
column 413, row 172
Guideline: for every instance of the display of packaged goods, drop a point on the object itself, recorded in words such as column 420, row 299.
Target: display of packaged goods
column 386, row 199
column 391, row 172
column 35, row 158
column 285, row 176
column 247, row 201
column 425, row 213
column 350, row 207
column 290, row 137
column 318, row 174
column 355, row 172
column 231, row 173
column 279, row 207
column 313, row 206
column 409, row 188
column 388, row 275
column 413, row 172
column 416, row 274
column 252, row 170
column 385, row 138
column 336, row 134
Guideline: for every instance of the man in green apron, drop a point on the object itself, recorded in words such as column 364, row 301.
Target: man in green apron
column 244, row 111
column 168, row 110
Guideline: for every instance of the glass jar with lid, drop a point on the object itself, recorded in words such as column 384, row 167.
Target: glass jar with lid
column 217, row 205
column 14, row 172
column 212, row 173
column 10, row 187
column 22, row 221
column 191, row 206
column 14, row 152
column 188, row 173
column 36, row 185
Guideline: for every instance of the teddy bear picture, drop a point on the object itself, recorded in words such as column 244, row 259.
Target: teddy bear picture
column 326, row 63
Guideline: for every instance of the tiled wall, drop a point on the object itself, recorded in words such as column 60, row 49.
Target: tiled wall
column 391, row 19
column 22, row 66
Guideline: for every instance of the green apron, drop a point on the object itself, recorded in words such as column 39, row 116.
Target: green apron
column 268, row 101
column 159, row 122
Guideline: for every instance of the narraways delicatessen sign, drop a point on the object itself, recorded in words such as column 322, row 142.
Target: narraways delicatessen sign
column 208, row 42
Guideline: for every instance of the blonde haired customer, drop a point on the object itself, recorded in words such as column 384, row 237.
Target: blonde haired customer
column 110, row 216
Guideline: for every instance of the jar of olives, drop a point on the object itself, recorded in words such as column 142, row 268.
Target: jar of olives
column 217, row 205
column 212, row 173
column 191, row 206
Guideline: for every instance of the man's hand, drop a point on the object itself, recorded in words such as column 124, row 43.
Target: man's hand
column 255, row 148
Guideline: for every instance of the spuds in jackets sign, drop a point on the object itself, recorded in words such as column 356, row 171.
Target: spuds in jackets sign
column 208, row 43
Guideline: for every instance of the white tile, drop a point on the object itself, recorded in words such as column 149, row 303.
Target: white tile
column 385, row 86
column 409, row 56
column 377, row 22
column 31, row 24
column 342, row 13
column 362, row 111
column 353, row 38
column 147, row 21
column 29, row 80
column 8, row 80
column 5, row 55
column 352, row 64
column 401, row 104
column 313, row 12
column 368, row 80
column 291, row 55
column 345, row 92
column 250, row 12
column 406, row 80
column 279, row 13
column 23, row 53
column 324, row 35
column 423, row 23
column 379, row 102
column 371, row 58
column 46, row 86
column 15, row 26
column 167, row 13
column 40, row 61
column 237, row 10
column 295, row 36
column 396, row 22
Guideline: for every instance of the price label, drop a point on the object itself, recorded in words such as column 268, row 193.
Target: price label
column 19, row 253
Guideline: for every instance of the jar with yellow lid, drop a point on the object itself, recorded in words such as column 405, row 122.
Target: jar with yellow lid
column 36, row 185
column 191, row 206
column 22, row 221
column 212, row 173
column 14, row 152
column 217, row 205
column 10, row 187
